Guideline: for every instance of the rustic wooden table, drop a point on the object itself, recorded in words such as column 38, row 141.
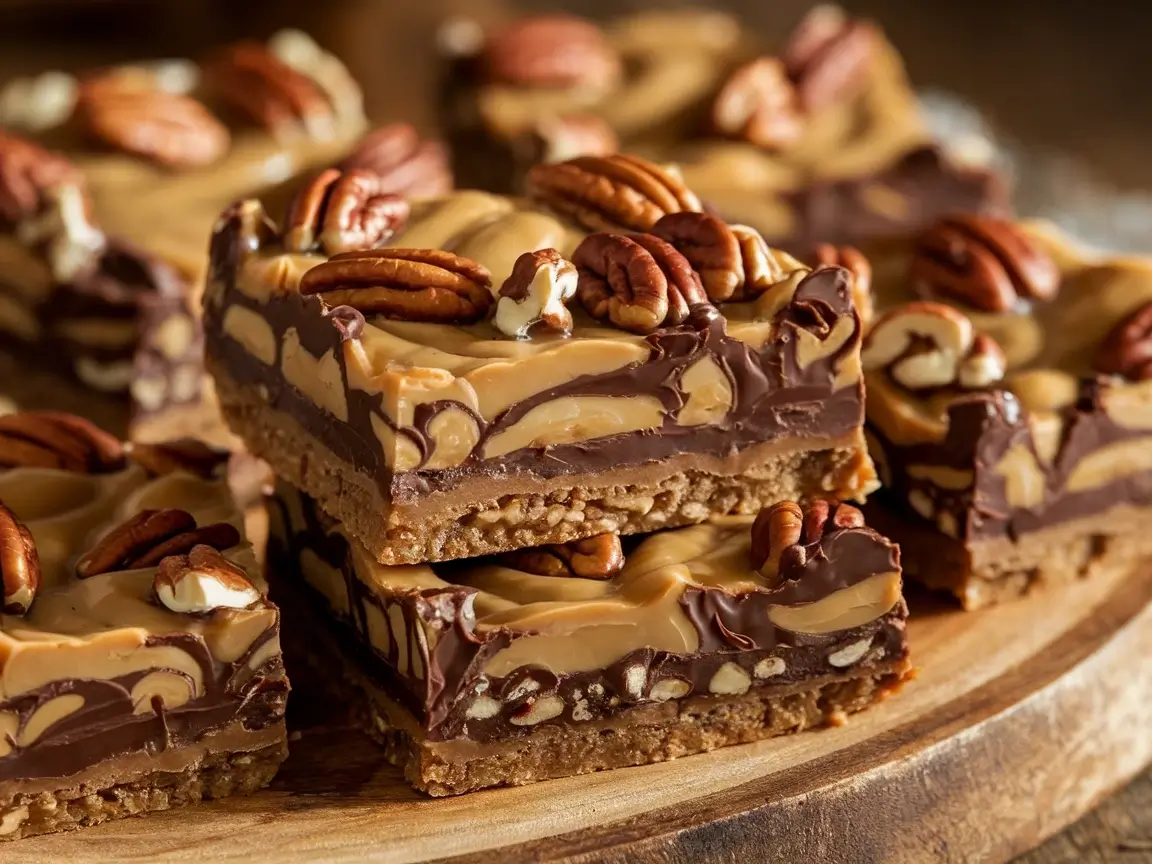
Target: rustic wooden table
column 1062, row 74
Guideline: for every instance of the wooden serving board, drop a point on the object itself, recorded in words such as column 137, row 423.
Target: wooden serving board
column 1022, row 718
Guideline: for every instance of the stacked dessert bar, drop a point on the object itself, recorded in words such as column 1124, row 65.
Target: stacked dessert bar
column 560, row 477
column 140, row 662
column 815, row 137
column 109, row 184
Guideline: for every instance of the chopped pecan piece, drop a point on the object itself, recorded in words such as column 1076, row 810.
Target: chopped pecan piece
column 27, row 172
column 53, row 439
column 1127, row 349
column 133, row 115
column 19, row 564
column 552, row 51
column 852, row 260
column 253, row 80
column 343, row 211
column 201, row 582
column 764, row 266
column 407, row 165
column 407, row 284
column 758, row 104
column 598, row 557
column 987, row 263
column 185, row 454
column 150, row 536
column 533, row 296
column 828, row 55
column 605, row 193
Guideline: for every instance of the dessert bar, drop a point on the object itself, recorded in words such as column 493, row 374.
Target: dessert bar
column 140, row 662
column 820, row 140
column 1009, row 407
column 474, row 373
column 600, row 653
column 109, row 185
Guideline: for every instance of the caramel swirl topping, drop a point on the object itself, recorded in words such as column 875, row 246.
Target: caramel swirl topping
column 408, row 284
column 343, row 211
column 19, row 564
column 551, row 51
column 52, row 439
column 149, row 537
column 983, row 262
column 598, row 557
column 758, row 104
column 406, row 164
column 605, row 193
column 1127, row 349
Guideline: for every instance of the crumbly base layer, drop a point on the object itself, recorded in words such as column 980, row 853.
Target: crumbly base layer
column 983, row 573
column 482, row 516
column 216, row 775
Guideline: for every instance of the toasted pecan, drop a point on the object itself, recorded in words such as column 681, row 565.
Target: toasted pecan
column 407, row 164
column 53, row 439
column 19, row 564
column 27, row 172
column 597, row 557
column 1127, row 349
column 343, row 211
column 758, row 104
column 551, row 51
column 150, row 536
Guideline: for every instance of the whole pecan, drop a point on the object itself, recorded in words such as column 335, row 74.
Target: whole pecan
column 150, row 536
column 776, row 529
column 710, row 246
column 604, row 193
column 852, row 260
column 758, row 104
column 251, row 79
column 407, row 164
column 551, row 51
column 53, row 439
column 202, row 581
column 27, row 172
column 827, row 56
column 983, row 262
column 343, row 211
column 186, row 455
column 684, row 288
column 19, row 564
column 407, row 284
column 598, row 557
column 823, row 517
column 170, row 128
column 1127, row 349
column 534, row 295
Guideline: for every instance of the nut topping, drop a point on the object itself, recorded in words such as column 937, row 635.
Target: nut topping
column 407, row 284
column 776, row 528
column 553, row 51
column 556, row 137
column 710, row 247
column 53, row 439
column 1127, row 349
column 533, row 296
column 986, row 263
column 604, row 193
column 827, row 57
column 929, row 345
column 27, row 172
column 253, row 80
column 599, row 557
column 150, row 536
column 186, row 454
column 19, row 564
column 764, row 267
column 817, row 522
column 684, row 288
column 758, row 104
column 130, row 114
column 406, row 164
column 852, row 260
column 343, row 211
column 202, row 581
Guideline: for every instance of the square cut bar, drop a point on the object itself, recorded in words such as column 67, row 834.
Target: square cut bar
column 112, row 703
column 489, row 673
column 1009, row 408
column 111, row 183
column 431, row 441
column 820, row 140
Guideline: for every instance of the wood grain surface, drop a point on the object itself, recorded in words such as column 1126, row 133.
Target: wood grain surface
column 1021, row 719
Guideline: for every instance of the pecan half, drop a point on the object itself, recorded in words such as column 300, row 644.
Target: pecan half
column 186, row 455
column 407, row 164
column 758, row 104
column 407, row 284
column 19, row 564
column 827, row 57
column 556, row 137
column 983, row 262
column 1127, row 349
column 169, row 128
column 533, row 296
column 598, row 557
column 343, row 211
column 823, row 517
column 620, row 281
column 684, row 288
column 53, row 439
column 852, row 260
column 776, row 528
column 553, row 51
column 202, row 581
column 150, row 536
column 710, row 246
column 27, row 172
column 764, row 266
column 604, row 193
column 251, row 79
